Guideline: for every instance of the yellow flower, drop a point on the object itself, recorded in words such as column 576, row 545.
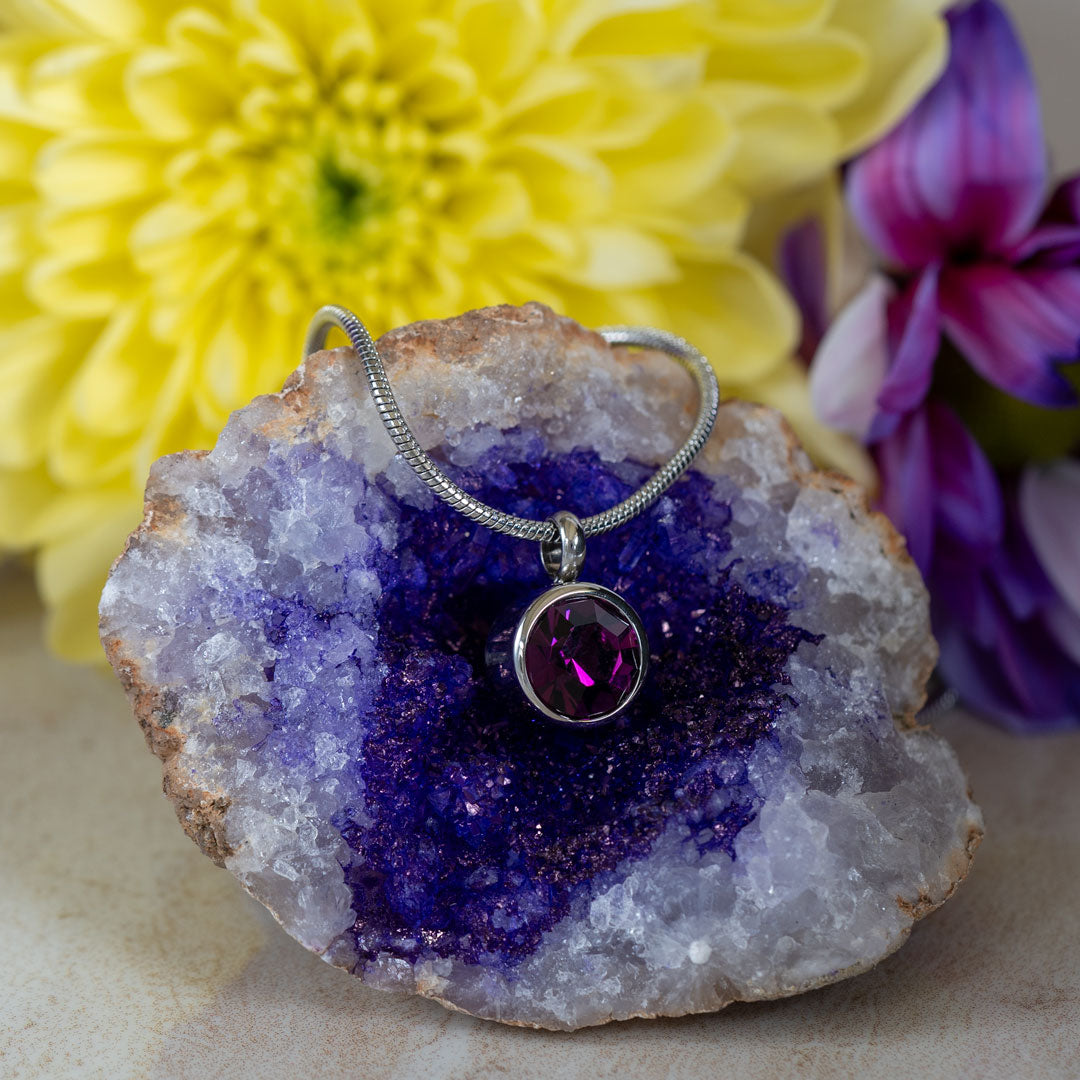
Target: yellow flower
column 182, row 183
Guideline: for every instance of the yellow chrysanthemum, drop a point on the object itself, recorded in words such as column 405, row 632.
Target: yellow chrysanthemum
column 181, row 184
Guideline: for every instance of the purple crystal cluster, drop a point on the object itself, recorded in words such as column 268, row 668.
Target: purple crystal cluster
column 302, row 628
column 488, row 819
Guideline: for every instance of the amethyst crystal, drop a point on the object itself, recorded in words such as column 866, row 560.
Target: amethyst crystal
column 302, row 628
column 583, row 657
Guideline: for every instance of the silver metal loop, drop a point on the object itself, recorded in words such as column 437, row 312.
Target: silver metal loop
column 564, row 555
column 526, row 528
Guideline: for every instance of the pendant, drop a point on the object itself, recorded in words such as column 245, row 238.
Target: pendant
column 579, row 651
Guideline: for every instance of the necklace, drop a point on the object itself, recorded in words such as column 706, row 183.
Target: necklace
column 579, row 651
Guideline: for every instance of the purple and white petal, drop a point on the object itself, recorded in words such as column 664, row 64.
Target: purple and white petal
column 1055, row 240
column 1050, row 244
column 905, row 464
column 915, row 335
column 966, row 170
column 849, row 369
column 1050, row 510
column 1016, row 326
column 1024, row 680
column 967, row 497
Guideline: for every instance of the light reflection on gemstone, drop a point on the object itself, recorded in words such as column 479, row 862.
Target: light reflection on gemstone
column 582, row 657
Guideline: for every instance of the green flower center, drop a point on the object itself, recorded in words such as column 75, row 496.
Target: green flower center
column 346, row 199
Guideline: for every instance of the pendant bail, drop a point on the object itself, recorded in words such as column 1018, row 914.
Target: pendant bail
column 564, row 555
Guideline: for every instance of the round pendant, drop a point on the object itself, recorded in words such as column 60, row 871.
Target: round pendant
column 579, row 653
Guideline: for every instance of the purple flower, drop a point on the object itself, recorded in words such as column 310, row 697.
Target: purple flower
column 954, row 201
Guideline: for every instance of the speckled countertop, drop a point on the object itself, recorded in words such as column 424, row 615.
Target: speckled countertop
column 128, row 954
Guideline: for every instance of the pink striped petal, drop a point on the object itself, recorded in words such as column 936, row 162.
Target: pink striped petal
column 905, row 465
column 967, row 497
column 1055, row 241
column 1022, row 679
column 849, row 368
column 1050, row 510
column 915, row 327
column 966, row 169
column 1015, row 327
column 1049, row 245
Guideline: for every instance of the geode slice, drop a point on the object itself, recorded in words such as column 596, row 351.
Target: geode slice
column 302, row 629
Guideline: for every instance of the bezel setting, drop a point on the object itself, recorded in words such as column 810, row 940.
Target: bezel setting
column 532, row 614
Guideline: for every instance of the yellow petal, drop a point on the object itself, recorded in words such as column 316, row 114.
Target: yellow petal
column 190, row 254
column 174, row 98
column 492, row 206
column 118, row 20
column 736, row 313
column 906, row 44
column 89, row 169
column 822, row 202
column 701, row 228
column 173, row 425
column 37, row 358
column 159, row 235
column 20, row 143
column 25, row 497
column 619, row 257
column 629, row 27
column 15, row 305
column 412, row 46
column 442, row 89
column 34, row 507
column 80, row 455
column 783, row 142
column 333, row 37
column 554, row 99
column 117, row 384
column 81, row 84
column 77, row 457
column 125, row 372
column 247, row 348
column 18, row 238
column 769, row 18
column 499, row 38
column 635, row 307
column 786, row 389
column 73, row 285
column 71, row 573
column 90, row 232
column 70, row 627
column 826, row 69
column 566, row 182
column 197, row 34
column 682, row 157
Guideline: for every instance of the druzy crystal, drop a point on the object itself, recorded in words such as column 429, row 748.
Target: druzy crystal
column 301, row 626
column 582, row 657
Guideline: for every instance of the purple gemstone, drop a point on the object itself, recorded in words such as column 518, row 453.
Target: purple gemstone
column 582, row 657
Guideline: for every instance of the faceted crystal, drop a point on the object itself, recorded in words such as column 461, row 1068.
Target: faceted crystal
column 582, row 657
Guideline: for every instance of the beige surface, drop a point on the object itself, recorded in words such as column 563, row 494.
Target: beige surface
column 128, row 954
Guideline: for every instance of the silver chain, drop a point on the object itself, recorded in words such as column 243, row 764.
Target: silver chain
column 526, row 528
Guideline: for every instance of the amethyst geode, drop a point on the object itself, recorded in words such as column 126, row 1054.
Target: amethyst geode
column 302, row 628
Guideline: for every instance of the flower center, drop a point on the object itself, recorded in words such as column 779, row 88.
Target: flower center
column 353, row 206
column 344, row 199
